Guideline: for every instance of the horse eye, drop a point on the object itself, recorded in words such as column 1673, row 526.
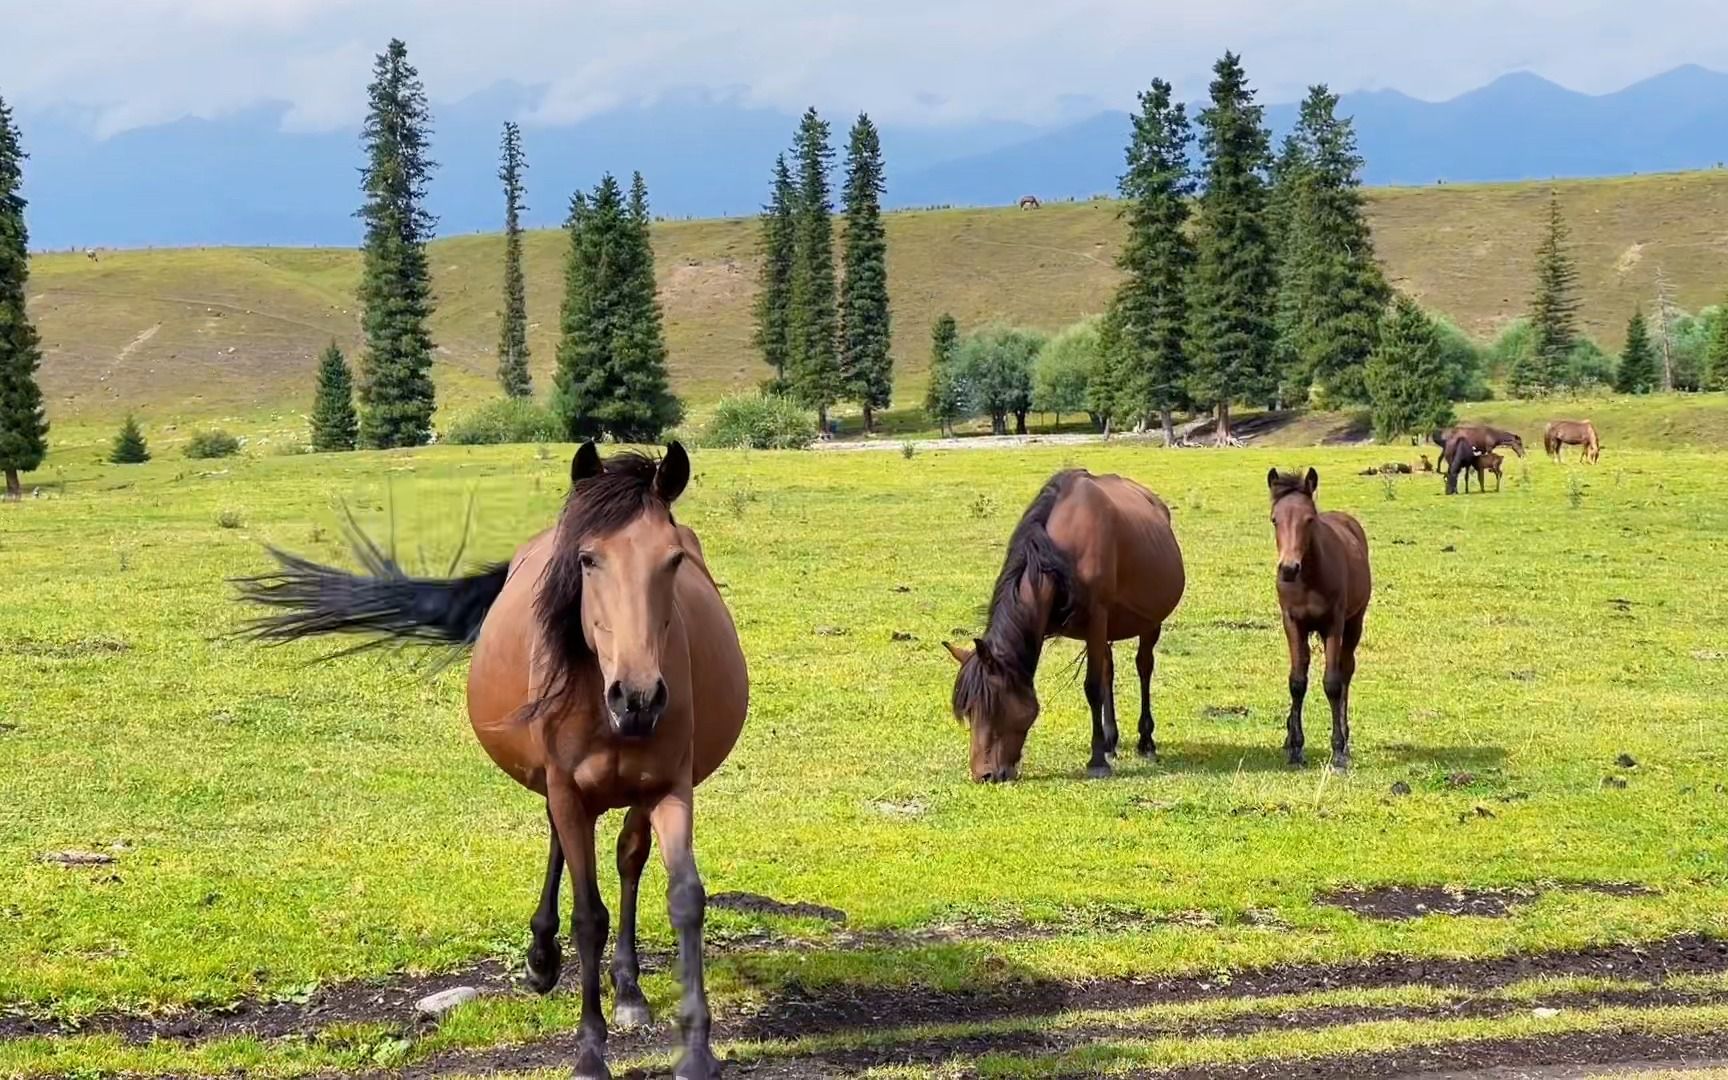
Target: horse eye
column 585, row 560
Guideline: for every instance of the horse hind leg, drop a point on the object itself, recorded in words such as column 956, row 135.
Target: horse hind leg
column 1098, row 697
column 1145, row 661
column 545, row 955
column 635, row 841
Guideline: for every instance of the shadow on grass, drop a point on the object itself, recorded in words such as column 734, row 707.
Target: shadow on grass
column 1176, row 757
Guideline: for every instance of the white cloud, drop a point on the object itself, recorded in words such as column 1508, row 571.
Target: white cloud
column 136, row 62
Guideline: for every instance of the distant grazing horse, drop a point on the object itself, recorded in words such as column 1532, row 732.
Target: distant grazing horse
column 1323, row 588
column 1461, row 457
column 606, row 675
column 1094, row 559
column 1029, row 202
column 1562, row 433
column 1481, row 436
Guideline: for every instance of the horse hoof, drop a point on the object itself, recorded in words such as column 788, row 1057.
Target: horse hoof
column 697, row 1064
column 1148, row 751
column 1341, row 762
column 544, row 965
column 631, row 1014
column 591, row 1066
column 1098, row 772
column 1297, row 760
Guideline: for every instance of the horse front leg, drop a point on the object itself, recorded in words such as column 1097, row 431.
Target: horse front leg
column 1098, row 694
column 635, row 841
column 1340, row 669
column 576, row 837
column 686, row 904
column 545, row 955
column 1145, row 662
column 1296, row 638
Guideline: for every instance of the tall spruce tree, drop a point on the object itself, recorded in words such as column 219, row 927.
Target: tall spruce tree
column 1289, row 169
column 1715, row 373
column 866, row 367
column 1151, row 304
column 1407, row 377
column 334, row 425
column 513, row 331
column 129, row 445
column 945, row 397
column 1231, row 299
column 1332, row 293
column 1553, row 312
column 23, row 426
column 779, row 231
column 1105, row 390
column 813, row 362
column 1637, row 371
column 611, row 377
column 396, row 392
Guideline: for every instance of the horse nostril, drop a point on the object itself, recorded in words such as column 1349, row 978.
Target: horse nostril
column 616, row 699
column 658, row 702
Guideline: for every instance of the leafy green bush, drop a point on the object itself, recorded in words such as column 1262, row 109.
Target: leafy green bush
column 759, row 422
column 506, row 420
column 1465, row 361
column 212, row 444
column 1064, row 367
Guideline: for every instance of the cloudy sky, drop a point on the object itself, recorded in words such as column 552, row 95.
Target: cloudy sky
column 131, row 63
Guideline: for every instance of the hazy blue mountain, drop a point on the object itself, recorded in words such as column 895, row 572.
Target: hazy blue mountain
column 242, row 180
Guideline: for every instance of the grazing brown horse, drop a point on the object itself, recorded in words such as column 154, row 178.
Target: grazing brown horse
column 1323, row 588
column 606, row 675
column 1581, row 433
column 1483, row 437
column 1093, row 559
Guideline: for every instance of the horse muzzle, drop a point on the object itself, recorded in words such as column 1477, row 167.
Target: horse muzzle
column 635, row 713
column 1289, row 571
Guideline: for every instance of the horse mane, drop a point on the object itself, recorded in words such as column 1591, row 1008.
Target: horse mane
column 1288, row 483
column 1014, row 635
column 598, row 506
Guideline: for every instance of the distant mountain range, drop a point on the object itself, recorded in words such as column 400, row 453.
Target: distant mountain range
column 242, row 180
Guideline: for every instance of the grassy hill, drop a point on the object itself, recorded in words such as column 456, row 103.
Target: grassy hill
column 209, row 332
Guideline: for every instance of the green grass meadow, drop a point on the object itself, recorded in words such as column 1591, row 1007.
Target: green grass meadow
column 279, row 825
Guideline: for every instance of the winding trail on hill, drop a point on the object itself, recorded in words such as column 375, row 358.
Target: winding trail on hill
column 133, row 346
column 190, row 301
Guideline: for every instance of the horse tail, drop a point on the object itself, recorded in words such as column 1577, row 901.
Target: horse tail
column 314, row 600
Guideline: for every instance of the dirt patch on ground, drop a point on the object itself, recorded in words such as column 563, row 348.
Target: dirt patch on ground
column 755, row 904
column 1400, row 902
column 799, row 1011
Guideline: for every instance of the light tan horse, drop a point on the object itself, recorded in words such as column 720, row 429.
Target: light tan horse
column 1563, row 433
column 1094, row 559
column 606, row 675
column 1324, row 585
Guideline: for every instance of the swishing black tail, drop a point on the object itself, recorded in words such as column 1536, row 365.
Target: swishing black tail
column 383, row 602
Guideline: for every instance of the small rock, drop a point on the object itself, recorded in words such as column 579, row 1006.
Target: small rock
column 1614, row 781
column 830, row 631
column 902, row 588
column 1460, row 779
column 444, row 1000
column 1544, row 1013
column 75, row 858
column 1625, row 761
column 1448, row 549
column 1399, row 787
column 901, row 635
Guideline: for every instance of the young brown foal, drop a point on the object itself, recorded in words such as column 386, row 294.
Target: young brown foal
column 1323, row 588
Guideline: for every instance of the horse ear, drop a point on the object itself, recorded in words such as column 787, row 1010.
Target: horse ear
column 960, row 653
column 673, row 474
column 1271, row 478
column 981, row 649
column 585, row 464
column 1311, row 482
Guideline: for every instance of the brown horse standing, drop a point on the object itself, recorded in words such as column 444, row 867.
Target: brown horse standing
column 1460, row 458
column 606, row 675
column 1481, row 436
column 1581, row 433
column 1323, row 588
column 1094, row 559
column 1490, row 463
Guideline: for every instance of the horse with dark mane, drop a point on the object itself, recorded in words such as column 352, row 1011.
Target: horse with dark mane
column 1482, row 436
column 606, row 675
column 1324, row 584
column 1580, row 433
column 1094, row 559
column 1460, row 457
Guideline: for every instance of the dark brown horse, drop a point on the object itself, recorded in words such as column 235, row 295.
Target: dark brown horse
column 1460, row 458
column 1323, row 589
column 1489, row 463
column 1580, row 433
column 606, row 675
column 1094, row 559
column 1483, row 437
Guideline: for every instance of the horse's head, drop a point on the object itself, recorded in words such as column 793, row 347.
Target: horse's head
column 609, row 589
column 1512, row 439
column 1293, row 518
column 998, row 704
